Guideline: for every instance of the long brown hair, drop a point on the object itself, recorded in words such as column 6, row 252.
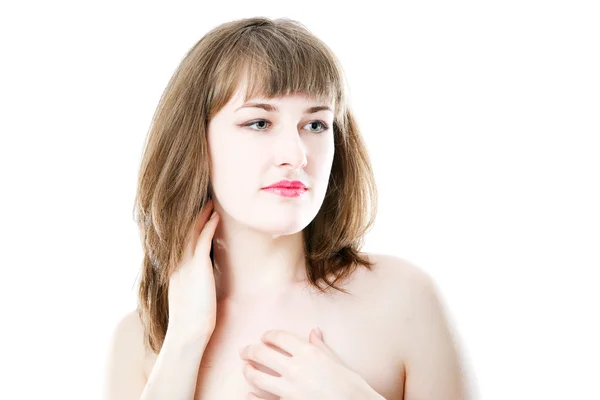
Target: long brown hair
column 276, row 57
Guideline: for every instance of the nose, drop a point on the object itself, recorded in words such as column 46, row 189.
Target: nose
column 290, row 149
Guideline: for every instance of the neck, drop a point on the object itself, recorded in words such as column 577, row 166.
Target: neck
column 253, row 266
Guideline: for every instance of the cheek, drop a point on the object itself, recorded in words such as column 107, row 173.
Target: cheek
column 234, row 170
column 323, row 158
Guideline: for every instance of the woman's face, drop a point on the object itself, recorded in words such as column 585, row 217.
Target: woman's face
column 252, row 148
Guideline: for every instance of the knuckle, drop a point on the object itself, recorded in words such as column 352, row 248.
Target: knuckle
column 260, row 353
column 255, row 353
column 292, row 370
column 277, row 336
column 314, row 351
column 251, row 352
column 308, row 349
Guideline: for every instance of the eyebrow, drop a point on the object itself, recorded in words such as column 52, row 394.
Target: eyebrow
column 271, row 107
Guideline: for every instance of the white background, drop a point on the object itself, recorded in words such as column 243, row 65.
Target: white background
column 482, row 120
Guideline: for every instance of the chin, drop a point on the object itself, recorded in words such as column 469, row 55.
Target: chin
column 282, row 226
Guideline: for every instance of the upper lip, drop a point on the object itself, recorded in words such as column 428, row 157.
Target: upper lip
column 287, row 184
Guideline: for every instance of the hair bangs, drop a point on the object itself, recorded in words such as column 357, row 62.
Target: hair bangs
column 280, row 65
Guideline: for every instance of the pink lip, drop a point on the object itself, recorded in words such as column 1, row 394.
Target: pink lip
column 286, row 192
column 287, row 185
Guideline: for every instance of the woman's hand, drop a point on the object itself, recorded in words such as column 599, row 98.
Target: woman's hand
column 312, row 371
column 192, row 291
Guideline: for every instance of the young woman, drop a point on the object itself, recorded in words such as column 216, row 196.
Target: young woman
column 255, row 128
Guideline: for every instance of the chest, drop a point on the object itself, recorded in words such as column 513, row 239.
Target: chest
column 360, row 329
column 352, row 329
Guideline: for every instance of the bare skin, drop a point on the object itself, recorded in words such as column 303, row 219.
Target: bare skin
column 376, row 333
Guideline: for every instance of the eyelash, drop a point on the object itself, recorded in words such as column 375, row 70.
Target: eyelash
column 324, row 126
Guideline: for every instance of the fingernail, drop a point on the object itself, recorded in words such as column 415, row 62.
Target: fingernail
column 213, row 214
column 319, row 332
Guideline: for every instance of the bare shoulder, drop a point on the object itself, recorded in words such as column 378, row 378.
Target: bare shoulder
column 409, row 291
column 399, row 289
column 130, row 331
column 402, row 291
column 400, row 276
column 426, row 338
column 124, row 374
column 130, row 323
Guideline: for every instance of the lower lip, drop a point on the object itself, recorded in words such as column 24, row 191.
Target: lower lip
column 287, row 192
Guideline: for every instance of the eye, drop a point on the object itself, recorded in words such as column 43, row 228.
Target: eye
column 257, row 122
column 323, row 125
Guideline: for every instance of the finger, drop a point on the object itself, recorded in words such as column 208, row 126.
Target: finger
column 285, row 340
column 252, row 396
column 267, row 356
column 195, row 229
column 194, row 232
column 208, row 231
column 316, row 340
column 314, row 334
column 262, row 380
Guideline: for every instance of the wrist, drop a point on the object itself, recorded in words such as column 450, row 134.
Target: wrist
column 187, row 338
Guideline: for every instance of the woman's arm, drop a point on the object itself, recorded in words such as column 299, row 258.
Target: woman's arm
column 176, row 369
column 174, row 373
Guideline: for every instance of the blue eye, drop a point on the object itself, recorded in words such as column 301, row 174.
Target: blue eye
column 323, row 125
column 256, row 122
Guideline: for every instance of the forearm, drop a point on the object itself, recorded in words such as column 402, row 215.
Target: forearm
column 176, row 369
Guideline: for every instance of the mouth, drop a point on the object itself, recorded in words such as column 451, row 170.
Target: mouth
column 297, row 185
column 286, row 191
